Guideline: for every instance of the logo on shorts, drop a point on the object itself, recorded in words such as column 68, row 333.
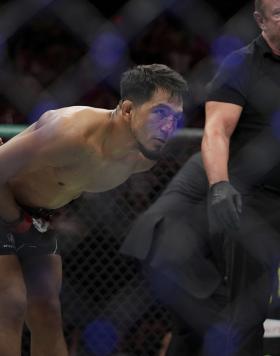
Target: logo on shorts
column 10, row 238
column 11, row 241
column 41, row 225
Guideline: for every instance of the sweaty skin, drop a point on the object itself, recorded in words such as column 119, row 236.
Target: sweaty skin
column 79, row 149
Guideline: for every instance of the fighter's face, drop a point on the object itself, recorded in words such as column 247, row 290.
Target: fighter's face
column 155, row 121
column 269, row 21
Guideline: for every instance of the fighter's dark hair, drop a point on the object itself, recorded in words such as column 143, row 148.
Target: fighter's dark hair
column 139, row 83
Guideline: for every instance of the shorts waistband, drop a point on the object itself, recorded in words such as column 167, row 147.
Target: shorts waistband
column 41, row 212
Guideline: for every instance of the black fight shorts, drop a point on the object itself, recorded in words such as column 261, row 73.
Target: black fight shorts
column 31, row 243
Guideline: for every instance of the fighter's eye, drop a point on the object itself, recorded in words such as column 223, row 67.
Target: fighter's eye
column 161, row 112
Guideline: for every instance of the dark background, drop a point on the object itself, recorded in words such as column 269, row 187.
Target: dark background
column 72, row 52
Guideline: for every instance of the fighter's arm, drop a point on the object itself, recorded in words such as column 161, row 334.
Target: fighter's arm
column 51, row 145
column 7, row 197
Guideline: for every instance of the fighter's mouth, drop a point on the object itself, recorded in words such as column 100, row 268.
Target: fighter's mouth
column 160, row 140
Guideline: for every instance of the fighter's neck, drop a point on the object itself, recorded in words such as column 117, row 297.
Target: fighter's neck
column 118, row 141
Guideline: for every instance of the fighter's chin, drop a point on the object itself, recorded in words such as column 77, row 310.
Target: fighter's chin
column 152, row 155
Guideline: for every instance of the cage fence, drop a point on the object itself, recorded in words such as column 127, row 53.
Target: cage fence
column 56, row 53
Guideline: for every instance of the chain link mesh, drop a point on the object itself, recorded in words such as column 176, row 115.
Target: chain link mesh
column 61, row 53
column 105, row 296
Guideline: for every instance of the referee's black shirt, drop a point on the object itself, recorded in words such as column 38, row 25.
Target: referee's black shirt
column 250, row 77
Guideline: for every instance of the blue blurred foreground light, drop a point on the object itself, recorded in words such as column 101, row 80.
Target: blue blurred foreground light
column 100, row 337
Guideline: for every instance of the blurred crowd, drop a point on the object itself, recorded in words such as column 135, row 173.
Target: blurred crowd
column 42, row 50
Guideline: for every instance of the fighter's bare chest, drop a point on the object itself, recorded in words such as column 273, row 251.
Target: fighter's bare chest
column 96, row 176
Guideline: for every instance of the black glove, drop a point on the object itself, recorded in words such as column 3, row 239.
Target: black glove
column 224, row 207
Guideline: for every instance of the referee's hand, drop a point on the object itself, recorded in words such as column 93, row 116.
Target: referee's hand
column 224, row 207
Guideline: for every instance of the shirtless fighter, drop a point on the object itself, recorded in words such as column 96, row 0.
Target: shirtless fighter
column 66, row 152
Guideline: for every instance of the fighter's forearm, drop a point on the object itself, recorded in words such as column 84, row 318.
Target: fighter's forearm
column 215, row 155
column 9, row 209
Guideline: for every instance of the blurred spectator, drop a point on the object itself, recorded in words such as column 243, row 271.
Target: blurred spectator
column 9, row 114
column 100, row 96
column 44, row 48
column 167, row 41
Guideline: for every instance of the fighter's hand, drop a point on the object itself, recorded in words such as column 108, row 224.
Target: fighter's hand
column 224, row 207
column 1, row 141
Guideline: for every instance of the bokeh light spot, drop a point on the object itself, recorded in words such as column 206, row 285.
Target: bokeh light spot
column 224, row 45
column 100, row 337
column 108, row 49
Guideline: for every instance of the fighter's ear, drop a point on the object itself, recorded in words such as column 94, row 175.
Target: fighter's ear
column 126, row 107
column 259, row 19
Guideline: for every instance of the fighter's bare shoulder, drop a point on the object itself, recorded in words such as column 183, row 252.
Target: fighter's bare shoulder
column 72, row 121
column 58, row 138
column 71, row 128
